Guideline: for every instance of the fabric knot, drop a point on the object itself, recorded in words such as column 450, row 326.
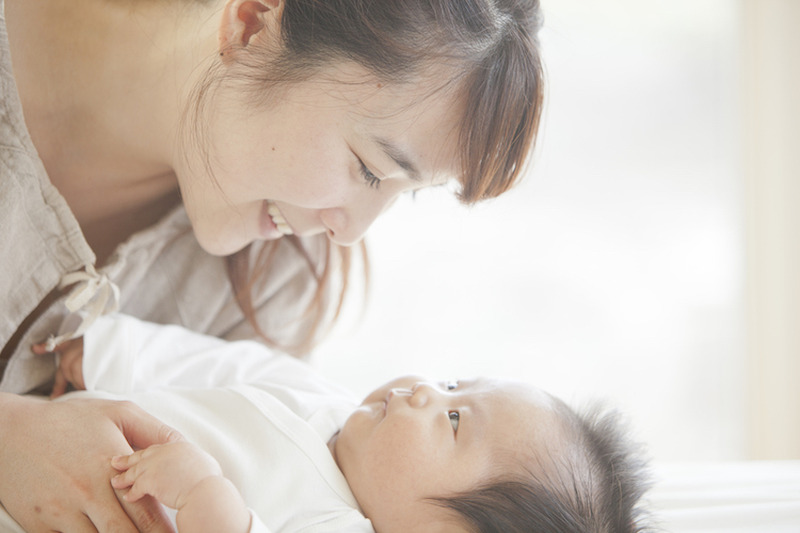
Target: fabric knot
column 93, row 294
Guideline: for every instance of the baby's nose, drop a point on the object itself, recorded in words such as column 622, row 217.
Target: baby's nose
column 422, row 394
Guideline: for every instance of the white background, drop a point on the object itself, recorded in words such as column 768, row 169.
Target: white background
column 615, row 270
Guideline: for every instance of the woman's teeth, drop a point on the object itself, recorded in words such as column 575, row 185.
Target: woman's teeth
column 278, row 219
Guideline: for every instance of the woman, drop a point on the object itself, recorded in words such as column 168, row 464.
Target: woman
column 207, row 163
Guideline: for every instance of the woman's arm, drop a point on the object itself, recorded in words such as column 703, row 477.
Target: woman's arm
column 55, row 464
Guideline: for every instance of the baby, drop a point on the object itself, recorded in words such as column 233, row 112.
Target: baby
column 271, row 446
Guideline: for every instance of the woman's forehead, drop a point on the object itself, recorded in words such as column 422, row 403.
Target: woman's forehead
column 426, row 129
column 421, row 115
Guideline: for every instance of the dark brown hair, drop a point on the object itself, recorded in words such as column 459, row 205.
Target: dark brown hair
column 488, row 48
column 597, row 490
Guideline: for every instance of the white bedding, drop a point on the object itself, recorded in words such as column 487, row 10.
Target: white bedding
column 731, row 497
column 727, row 497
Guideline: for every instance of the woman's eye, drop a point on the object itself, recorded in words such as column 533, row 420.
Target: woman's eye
column 371, row 179
column 454, row 418
column 452, row 385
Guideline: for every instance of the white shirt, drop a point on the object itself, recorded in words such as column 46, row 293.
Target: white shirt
column 265, row 416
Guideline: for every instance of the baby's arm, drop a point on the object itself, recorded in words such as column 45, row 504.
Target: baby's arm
column 182, row 476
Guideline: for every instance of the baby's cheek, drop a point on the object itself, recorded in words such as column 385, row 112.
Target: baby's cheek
column 408, row 443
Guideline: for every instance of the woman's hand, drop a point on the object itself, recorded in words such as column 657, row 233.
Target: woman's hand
column 55, row 464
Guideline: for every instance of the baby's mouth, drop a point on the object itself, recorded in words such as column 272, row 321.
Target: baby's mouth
column 278, row 219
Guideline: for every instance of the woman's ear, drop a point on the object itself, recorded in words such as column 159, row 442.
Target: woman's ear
column 242, row 20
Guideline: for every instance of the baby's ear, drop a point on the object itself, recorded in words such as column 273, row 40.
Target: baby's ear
column 242, row 20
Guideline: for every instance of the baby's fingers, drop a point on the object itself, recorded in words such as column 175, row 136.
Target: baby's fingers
column 124, row 462
column 133, row 474
column 123, row 480
column 137, row 485
column 135, row 478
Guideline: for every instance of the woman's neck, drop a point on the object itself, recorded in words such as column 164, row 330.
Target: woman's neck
column 104, row 86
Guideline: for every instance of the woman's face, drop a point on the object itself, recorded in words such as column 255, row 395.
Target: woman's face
column 326, row 156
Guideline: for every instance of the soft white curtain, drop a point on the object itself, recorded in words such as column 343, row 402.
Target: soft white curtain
column 771, row 82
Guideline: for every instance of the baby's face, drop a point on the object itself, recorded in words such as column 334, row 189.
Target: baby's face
column 414, row 439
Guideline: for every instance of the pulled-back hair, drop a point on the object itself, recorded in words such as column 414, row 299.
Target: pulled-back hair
column 487, row 51
column 596, row 489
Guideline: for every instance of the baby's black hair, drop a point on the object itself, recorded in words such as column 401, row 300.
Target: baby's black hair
column 596, row 487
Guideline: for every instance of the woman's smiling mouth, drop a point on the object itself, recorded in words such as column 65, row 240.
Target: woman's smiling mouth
column 278, row 219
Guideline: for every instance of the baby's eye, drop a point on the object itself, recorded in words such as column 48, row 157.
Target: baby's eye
column 454, row 418
column 451, row 385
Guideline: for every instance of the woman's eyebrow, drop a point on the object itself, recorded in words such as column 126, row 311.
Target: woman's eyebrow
column 400, row 157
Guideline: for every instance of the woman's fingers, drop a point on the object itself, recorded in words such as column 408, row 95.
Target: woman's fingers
column 40, row 349
column 59, row 386
column 148, row 515
column 70, row 365
column 102, row 514
column 115, row 514
column 80, row 523
column 141, row 429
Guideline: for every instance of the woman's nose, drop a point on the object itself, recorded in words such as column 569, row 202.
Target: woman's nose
column 347, row 225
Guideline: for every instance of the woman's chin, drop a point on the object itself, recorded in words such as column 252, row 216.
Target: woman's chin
column 220, row 245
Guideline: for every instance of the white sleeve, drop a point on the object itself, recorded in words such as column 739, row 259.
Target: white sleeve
column 123, row 354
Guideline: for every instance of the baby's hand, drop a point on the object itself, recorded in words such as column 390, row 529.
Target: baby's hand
column 70, row 365
column 182, row 476
column 168, row 472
